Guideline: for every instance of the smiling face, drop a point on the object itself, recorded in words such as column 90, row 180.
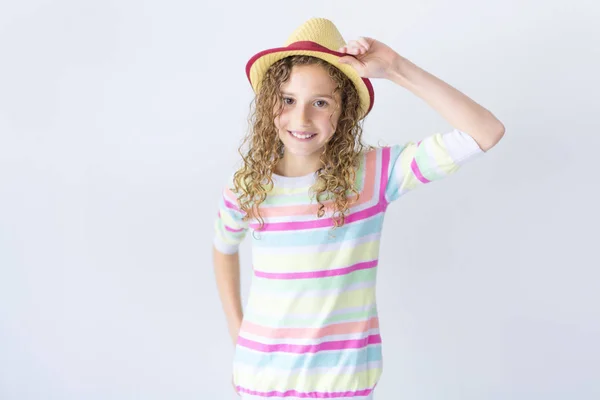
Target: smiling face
column 310, row 112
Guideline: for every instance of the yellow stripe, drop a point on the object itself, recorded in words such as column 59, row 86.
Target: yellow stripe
column 230, row 220
column 326, row 381
column 409, row 181
column 226, row 236
column 443, row 162
column 299, row 262
column 279, row 191
column 265, row 304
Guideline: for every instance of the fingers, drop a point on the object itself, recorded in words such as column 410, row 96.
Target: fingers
column 356, row 47
column 363, row 41
column 349, row 49
column 352, row 49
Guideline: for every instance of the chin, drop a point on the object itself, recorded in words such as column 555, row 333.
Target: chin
column 301, row 152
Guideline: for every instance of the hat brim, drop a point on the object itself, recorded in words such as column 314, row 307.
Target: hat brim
column 260, row 62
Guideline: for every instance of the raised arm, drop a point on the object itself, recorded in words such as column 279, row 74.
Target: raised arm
column 462, row 112
column 374, row 59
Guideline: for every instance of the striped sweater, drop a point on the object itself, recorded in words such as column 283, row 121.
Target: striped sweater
column 310, row 327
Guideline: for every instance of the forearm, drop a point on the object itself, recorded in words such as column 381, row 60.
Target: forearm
column 454, row 106
column 227, row 275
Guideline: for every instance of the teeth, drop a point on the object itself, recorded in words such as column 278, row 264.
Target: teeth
column 301, row 136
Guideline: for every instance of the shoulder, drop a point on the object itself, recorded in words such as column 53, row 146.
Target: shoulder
column 228, row 188
column 380, row 156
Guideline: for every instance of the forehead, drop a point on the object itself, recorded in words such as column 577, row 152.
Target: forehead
column 308, row 79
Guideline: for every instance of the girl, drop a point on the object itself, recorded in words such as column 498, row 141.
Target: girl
column 314, row 197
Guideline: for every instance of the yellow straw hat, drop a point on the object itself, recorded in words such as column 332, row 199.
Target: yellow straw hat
column 317, row 37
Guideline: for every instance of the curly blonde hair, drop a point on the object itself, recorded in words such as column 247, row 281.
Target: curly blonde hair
column 340, row 157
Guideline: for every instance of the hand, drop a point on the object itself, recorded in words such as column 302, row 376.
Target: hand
column 369, row 57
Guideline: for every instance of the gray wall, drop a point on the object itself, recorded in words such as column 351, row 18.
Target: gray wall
column 119, row 122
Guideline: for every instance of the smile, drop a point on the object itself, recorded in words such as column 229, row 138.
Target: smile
column 302, row 135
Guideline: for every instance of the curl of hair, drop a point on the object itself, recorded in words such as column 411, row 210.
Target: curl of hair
column 261, row 148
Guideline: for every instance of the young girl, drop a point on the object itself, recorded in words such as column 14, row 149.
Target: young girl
column 314, row 198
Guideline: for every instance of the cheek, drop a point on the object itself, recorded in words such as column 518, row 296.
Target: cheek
column 332, row 124
column 280, row 121
column 332, row 127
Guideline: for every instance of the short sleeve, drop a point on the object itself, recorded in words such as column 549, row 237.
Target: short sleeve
column 230, row 228
column 414, row 164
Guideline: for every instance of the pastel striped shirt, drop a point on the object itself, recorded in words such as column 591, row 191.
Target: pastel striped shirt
column 310, row 327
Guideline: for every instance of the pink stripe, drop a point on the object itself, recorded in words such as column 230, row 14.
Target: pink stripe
column 230, row 205
column 310, row 395
column 343, row 328
column 311, row 348
column 385, row 160
column 417, row 171
column 327, row 222
column 415, row 168
column 366, row 195
column 227, row 227
column 321, row 223
column 316, row 274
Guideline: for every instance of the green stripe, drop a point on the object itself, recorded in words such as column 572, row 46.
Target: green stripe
column 298, row 285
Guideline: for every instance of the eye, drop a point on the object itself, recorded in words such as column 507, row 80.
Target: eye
column 291, row 101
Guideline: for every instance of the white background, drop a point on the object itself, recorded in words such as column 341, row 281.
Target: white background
column 119, row 124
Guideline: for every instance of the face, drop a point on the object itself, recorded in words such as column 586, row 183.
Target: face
column 310, row 111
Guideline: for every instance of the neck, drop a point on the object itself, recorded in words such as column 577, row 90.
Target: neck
column 294, row 166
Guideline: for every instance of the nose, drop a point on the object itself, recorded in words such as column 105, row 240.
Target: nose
column 301, row 116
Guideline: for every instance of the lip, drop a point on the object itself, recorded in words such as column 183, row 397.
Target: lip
column 313, row 135
column 303, row 133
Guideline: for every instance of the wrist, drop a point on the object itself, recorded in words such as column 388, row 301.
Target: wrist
column 400, row 70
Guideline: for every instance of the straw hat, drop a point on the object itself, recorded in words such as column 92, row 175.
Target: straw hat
column 317, row 37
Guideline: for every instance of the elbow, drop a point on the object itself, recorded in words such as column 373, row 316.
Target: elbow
column 493, row 136
column 500, row 129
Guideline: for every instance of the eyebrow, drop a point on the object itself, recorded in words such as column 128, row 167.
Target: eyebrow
column 318, row 95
